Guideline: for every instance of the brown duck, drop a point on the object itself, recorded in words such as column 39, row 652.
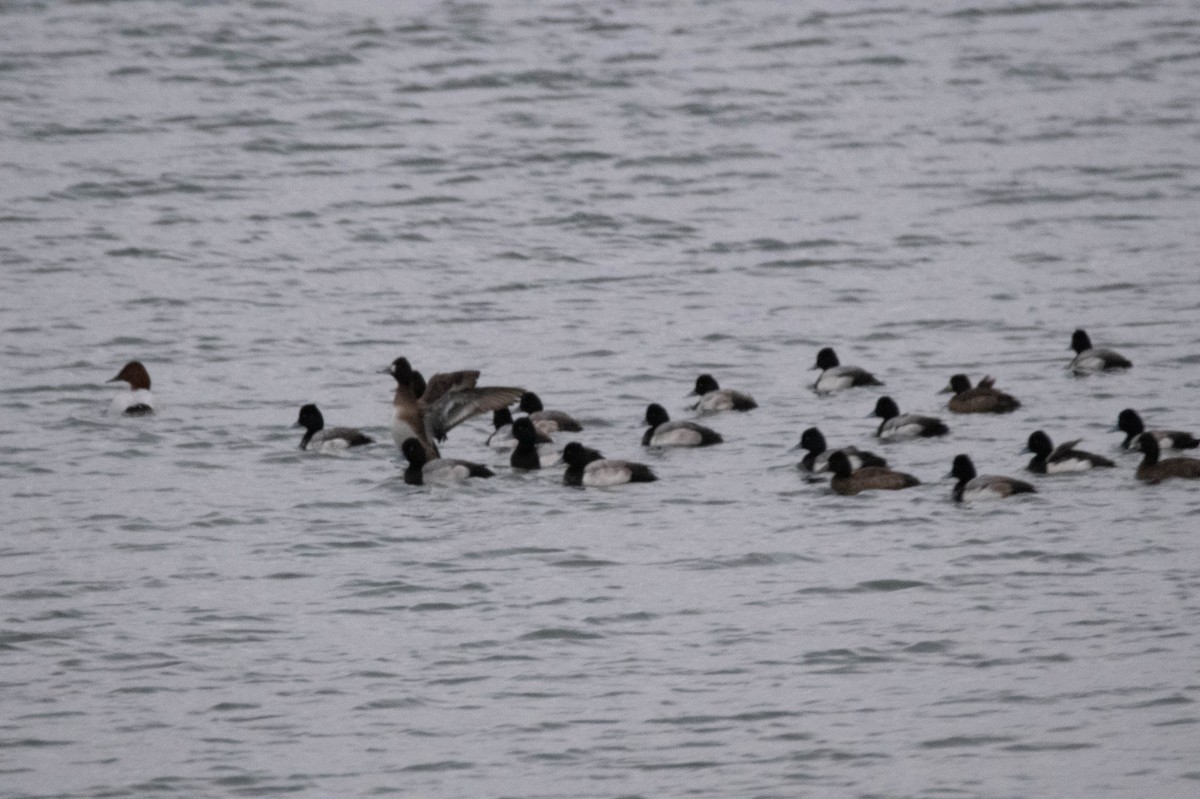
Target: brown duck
column 983, row 398
column 447, row 400
column 848, row 482
column 1153, row 470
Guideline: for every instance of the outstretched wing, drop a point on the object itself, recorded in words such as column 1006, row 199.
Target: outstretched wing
column 457, row 406
column 441, row 384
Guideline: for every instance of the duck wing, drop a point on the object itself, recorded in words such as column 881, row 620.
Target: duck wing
column 441, row 384
column 1063, row 450
column 457, row 406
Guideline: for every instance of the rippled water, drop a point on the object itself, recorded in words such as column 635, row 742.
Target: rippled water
column 267, row 202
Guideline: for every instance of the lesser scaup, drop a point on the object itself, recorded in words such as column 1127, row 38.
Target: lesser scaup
column 1153, row 470
column 665, row 433
column 137, row 401
column 817, row 459
column 547, row 422
column 448, row 400
column 897, row 426
column 587, row 467
column 714, row 398
column 835, row 377
column 501, row 436
column 534, row 450
column 317, row 437
column 1089, row 359
column 983, row 398
column 1129, row 423
column 848, row 482
column 1048, row 459
column 422, row 470
column 972, row 486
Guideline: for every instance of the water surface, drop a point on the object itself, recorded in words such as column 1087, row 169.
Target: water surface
column 268, row 202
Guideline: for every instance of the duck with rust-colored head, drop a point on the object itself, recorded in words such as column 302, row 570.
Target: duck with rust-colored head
column 137, row 401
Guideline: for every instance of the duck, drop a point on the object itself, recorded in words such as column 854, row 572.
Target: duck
column 848, row 482
column 1130, row 423
column 138, row 401
column 1048, row 459
column 421, row 469
column 835, row 377
column 587, row 467
column 502, row 437
column 983, row 398
column 534, row 450
column 1152, row 470
column 448, row 400
column 897, row 426
column 973, row 486
column 665, row 433
column 713, row 398
column 319, row 438
column 461, row 378
column 1089, row 360
column 817, row 459
column 547, row 422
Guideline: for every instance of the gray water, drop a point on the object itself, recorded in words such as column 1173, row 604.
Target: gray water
column 268, row 202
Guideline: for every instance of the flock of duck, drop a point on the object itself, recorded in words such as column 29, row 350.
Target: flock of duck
column 423, row 412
